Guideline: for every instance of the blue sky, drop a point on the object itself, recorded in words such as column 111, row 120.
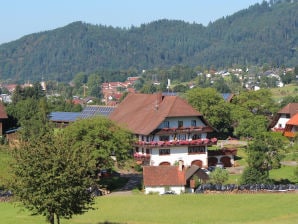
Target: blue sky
column 22, row 17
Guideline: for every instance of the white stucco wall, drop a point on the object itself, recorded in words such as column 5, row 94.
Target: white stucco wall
column 162, row 189
column 177, row 153
column 173, row 122
column 282, row 121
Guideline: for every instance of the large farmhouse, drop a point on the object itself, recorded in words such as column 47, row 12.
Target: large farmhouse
column 168, row 130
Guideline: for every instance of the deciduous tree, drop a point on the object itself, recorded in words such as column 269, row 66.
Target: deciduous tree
column 212, row 105
column 107, row 140
column 52, row 178
column 263, row 155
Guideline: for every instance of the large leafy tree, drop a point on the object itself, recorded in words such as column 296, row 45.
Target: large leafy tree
column 258, row 102
column 252, row 111
column 212, row 105
column 51, row 177
column 107, row 140
column 250, row 126
column 263, row 155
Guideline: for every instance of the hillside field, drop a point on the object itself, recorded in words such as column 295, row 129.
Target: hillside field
column 288, row 90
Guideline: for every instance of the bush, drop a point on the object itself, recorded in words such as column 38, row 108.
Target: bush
column 219, row 176
column 253, row 176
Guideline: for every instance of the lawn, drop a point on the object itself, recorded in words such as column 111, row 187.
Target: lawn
column 5, row 159
column 284, row 173
column 177, row 209
column 288, row 90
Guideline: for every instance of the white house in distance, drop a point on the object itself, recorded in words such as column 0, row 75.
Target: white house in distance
column 168, row 130
column 283, row 116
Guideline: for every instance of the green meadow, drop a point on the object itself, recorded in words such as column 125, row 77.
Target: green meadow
column 176, row 209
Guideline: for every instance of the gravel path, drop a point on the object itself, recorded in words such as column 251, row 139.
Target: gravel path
column 134, row 181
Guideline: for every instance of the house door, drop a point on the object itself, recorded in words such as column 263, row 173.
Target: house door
column 198, row 163
column 212, row 161
column 226, row 161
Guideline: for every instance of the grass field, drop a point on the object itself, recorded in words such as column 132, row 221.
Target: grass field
column 176, row 209
column 5, row 159
column 288, row 90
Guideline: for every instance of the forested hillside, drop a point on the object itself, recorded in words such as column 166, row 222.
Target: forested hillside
column 264, row 33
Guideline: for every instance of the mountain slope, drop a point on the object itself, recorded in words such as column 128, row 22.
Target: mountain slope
column 257, row 35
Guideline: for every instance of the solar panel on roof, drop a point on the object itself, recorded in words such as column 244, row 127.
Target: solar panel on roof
column 88, row 111
column 226, row 96
column 64, row 116
column 96, row 110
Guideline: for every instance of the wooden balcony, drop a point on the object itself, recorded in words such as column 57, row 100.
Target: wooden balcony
column 197, row 142
column 197, row 129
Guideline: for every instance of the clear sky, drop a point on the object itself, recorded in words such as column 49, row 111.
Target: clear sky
column 22, row 17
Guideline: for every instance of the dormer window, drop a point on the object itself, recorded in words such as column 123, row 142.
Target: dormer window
column 180, row 124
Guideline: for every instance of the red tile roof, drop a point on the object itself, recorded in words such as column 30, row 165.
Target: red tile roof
column 143, row 113
column 291, row 108
column 163, row 176
column 3, row 114
column 293, row 120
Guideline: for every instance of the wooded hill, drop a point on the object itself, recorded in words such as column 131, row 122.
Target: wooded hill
column 262, row 34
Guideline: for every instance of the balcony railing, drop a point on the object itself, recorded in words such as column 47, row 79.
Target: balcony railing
column 197, row 142
column 186, row 129
column 141, row 158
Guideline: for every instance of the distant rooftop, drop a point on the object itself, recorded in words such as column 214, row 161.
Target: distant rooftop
column 227, row 96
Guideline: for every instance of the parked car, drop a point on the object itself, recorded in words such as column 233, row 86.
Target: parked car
column 220, row 165
column 206, row 171
column 168, row 192
column 211, row 168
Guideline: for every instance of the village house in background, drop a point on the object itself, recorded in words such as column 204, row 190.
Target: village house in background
column 283, row 116
column 113, row 91
column 291, row 128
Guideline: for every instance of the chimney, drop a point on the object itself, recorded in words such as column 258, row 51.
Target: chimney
column 180, row 165
column 159, row 99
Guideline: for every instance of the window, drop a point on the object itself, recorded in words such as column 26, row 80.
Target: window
column 163, row 152
column 193, row 123
column 182, row 137
column 196, row 150
column 164, row 138
column 196, row 136
column 180, row 124
column 166, row 124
